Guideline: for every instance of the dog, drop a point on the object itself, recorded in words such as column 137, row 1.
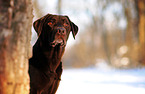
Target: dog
column 45, row 66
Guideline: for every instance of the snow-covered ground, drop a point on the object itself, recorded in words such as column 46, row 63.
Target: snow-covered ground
column 98, row 81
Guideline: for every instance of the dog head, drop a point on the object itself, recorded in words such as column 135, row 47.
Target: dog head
column 55, row 29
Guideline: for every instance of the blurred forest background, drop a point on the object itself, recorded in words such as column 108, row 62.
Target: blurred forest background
column 110, row 31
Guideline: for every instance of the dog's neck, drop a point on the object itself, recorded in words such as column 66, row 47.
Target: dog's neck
column 49, row 57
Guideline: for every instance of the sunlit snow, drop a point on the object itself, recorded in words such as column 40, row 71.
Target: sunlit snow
column 97, row 81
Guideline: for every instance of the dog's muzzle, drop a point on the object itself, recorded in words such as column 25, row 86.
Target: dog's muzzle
column 59, row 38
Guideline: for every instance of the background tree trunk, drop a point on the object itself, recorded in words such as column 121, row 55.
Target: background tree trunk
column 140, row 6
column 59, row 6
column 15, row 36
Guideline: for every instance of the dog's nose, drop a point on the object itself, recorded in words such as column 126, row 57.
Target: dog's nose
column 61, row 31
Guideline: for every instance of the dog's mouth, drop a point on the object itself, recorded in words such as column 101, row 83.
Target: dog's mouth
column 60, row 42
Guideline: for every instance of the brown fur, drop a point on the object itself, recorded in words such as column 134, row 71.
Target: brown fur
column 45, row 66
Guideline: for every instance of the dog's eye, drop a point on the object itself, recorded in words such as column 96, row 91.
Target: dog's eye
column 49, row 23
column 65, row 24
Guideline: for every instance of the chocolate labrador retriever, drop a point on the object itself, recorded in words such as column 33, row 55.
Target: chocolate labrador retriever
column 45, row 66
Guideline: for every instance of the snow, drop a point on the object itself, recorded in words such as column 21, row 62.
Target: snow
column 97, row 81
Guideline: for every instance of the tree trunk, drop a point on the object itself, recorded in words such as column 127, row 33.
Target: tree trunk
column 59, row 6
column 15, row 35
column 140, row 6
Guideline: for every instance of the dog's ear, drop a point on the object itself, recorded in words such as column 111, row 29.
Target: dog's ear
column 38, row 24
column 74, row 28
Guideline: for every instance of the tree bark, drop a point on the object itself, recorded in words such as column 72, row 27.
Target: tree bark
column 15, row 36
column 140, row 6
